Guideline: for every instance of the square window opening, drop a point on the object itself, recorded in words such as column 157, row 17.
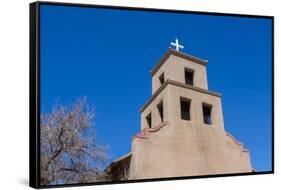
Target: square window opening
column 189, row 75
column 185, row 108
column 148, row 120
column 160, row 110
column 207, row 111
column 162, row 78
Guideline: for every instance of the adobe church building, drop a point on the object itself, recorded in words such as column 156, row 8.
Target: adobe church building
column 182, row 128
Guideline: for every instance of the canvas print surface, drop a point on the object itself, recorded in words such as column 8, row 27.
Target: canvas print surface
column 140, row 94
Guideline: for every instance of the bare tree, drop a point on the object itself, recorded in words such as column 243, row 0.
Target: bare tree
column 70, row 151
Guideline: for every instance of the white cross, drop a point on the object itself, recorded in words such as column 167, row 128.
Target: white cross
column 177, row 45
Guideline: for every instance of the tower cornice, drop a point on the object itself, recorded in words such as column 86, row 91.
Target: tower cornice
column 179, row 84
column 178, row 54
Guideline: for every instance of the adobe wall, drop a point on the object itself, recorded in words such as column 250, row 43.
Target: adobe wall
column 187, row 148
column 174, row 68
column 152, row 108
column 186, row 151
column 196, row 112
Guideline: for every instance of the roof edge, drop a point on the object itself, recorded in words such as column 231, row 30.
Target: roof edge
column 121, row 158
column 179, row 84
column 179, row 54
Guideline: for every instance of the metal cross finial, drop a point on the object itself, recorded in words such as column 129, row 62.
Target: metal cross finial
column 177, row 45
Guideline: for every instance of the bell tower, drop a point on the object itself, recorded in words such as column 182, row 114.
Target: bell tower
column 182, row 128
column 180, row 93
column 180, row 67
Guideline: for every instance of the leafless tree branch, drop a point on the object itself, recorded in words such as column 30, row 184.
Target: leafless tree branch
column 70, row 150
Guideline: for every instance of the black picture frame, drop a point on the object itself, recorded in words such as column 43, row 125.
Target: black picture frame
column 34, row 92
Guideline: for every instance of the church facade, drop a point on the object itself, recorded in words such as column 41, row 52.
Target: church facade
column 182, row 128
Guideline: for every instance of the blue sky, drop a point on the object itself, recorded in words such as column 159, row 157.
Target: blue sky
column 106, row 55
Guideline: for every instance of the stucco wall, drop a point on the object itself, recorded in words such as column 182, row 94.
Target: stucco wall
column 176, row 151
column 174, row 68
column 196, row 112
column 187, row 148
column 152, row 108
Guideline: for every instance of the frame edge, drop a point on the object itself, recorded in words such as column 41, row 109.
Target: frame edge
column 34, row 165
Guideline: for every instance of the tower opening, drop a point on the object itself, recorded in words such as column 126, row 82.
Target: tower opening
column 188, row 73
column 207, row 109
column 185, row 108
column 160, row 110
column 162, row 78
column 148, row 120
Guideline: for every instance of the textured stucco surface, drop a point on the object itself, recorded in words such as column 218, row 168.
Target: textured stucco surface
column 174, row 68
column 184, row 147
column 187, row 151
